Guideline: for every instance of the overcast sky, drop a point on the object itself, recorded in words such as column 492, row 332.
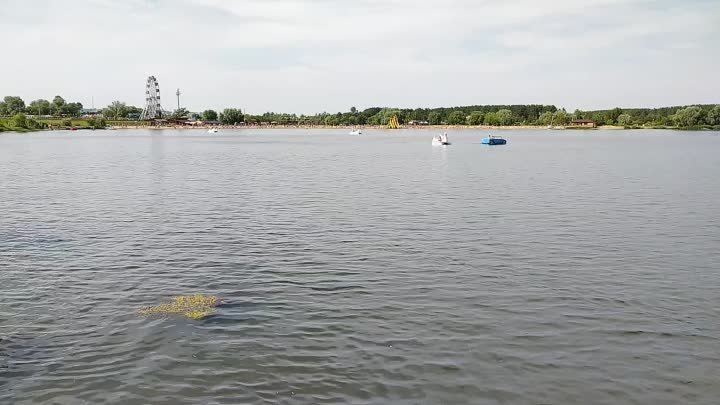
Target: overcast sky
column 310, row 56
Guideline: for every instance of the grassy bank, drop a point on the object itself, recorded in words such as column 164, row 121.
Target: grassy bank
column 21, row 123
column 59, row 123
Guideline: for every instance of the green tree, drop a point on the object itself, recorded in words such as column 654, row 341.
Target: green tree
column 71, row 109
column 374, row 119
column 33, row 124
column 420, row 114
column 434, row 118
column 58, row 101
column 491, row 119
column 181, row 112
column 19, row 121
column 713, row 116
column 624, row 119
column 504, row 117
column 348, row 119
column 560, row 117
column 353, row 110
column 231, row 116
column 383, row 116
column 331, row 120
column 209, row 115
column 456, row 118
column 598, row 117
column 39, row 107
column 386, row 114
column 96, row 122
column 13, row 105
column 546, row 118
column 131, row 109
column 475, row 118
column 688, row 117
column 57, row 105
column 116, row 109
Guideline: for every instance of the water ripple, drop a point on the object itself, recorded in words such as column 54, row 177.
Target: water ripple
column 560, row 269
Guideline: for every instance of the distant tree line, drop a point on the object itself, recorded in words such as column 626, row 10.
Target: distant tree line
column 468, row 115
column 59, row 109
column 696, row 116
column 11, row 105
column 699, row 116
column 497, row 115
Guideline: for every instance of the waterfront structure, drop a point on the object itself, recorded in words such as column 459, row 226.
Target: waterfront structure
column 152, row 108
column 583, row 123
column 90, row 112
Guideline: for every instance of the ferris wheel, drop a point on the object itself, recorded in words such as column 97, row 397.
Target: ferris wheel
column 152, row 100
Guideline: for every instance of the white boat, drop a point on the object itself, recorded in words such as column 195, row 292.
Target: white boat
column 356, row 132
column 212, row 131
column 440, row 140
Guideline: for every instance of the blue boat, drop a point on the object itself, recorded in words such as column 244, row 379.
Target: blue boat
column 493, row 140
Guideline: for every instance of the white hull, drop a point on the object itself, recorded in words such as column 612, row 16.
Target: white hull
column 212, row 131
column 357, row 132
column 436, row 142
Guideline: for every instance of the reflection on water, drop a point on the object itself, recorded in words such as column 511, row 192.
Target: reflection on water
column 560, row 268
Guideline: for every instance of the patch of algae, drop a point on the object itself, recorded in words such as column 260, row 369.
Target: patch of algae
column 195, row 307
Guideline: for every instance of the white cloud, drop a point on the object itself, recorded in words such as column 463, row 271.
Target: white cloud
column 314, row 55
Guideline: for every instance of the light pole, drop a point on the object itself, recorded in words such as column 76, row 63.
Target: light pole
column 177, row 93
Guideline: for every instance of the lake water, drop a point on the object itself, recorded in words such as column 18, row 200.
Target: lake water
column 563, row 268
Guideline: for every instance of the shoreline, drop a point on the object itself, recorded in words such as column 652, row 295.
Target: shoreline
column 347, row 127
column 351, row 127
column 382, row 127
column 343, row 128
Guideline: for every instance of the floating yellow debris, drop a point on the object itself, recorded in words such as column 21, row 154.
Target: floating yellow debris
column 196, row 306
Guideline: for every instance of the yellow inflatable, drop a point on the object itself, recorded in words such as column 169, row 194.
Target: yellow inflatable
column 394, row 123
